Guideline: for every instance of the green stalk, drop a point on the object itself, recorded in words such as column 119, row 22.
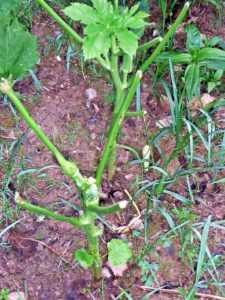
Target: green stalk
column 165, row 40
column 150, row 44
column 45, row 212
column 115, row 127
column 93, row 249
column 60, row 21
column 118, row 101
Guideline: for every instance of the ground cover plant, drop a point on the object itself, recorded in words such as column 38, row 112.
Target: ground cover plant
column 197, row 148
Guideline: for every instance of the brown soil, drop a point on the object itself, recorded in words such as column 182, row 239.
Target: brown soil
column 39, row 260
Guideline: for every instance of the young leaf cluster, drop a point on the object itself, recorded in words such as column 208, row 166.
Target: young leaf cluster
column 101, row 22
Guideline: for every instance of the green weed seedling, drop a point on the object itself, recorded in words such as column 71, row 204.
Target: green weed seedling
column 110, row 37
column 200, row 57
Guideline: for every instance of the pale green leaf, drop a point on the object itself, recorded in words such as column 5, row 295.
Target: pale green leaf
column 83, row 258
column 210, row 86
column 133, row 9
column 135, row 23
column 219, row 73
column 127, row 41
column 118, row 252
column 96, row 42
column 6, row 6
column 18, row 49
column 82, row 13
column 141, row 15
column 212, row 58
column 103, row 7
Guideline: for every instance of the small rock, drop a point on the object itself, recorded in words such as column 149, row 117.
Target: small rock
column 155, row 33
column 96, row 108
column 106, row 273
column 118, row 195
column 17, row 296
column 136, row 224
column 118, row 270
column 207, row 99
column 115, row 282
column 93, row 136
column 90, row 94
column 129, row 176
column 123, row 236
column 11, row 265
column 11, row 135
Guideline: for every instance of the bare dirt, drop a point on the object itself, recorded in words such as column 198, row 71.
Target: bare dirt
column 39, row 260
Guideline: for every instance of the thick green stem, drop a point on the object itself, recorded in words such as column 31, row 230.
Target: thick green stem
column 60, row 21
column 112, row 161
column 115, row 127
column 150, row 44
column 115, row 68
column 165, row 40
column 93, row 233
column 45, row 212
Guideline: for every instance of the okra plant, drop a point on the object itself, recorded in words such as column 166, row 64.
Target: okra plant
column 110, row 38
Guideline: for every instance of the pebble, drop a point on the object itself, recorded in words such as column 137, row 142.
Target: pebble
column 106, row 273
column 155, row 33
column 137, row 224
column 90, row 95
column 118, row 195
column 129, row 176
column 17, row 296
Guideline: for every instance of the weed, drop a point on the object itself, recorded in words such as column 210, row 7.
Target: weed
column 4, row 294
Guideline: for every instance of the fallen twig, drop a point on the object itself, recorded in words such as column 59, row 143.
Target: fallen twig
column 174, row 291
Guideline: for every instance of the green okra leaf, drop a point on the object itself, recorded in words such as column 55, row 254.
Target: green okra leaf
column 6, row 7
column 127, row 41
column 18, row 50
column 118, row 252
column 83, row 258
column 97, row 40
column 83, row 13
column 102, row 22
